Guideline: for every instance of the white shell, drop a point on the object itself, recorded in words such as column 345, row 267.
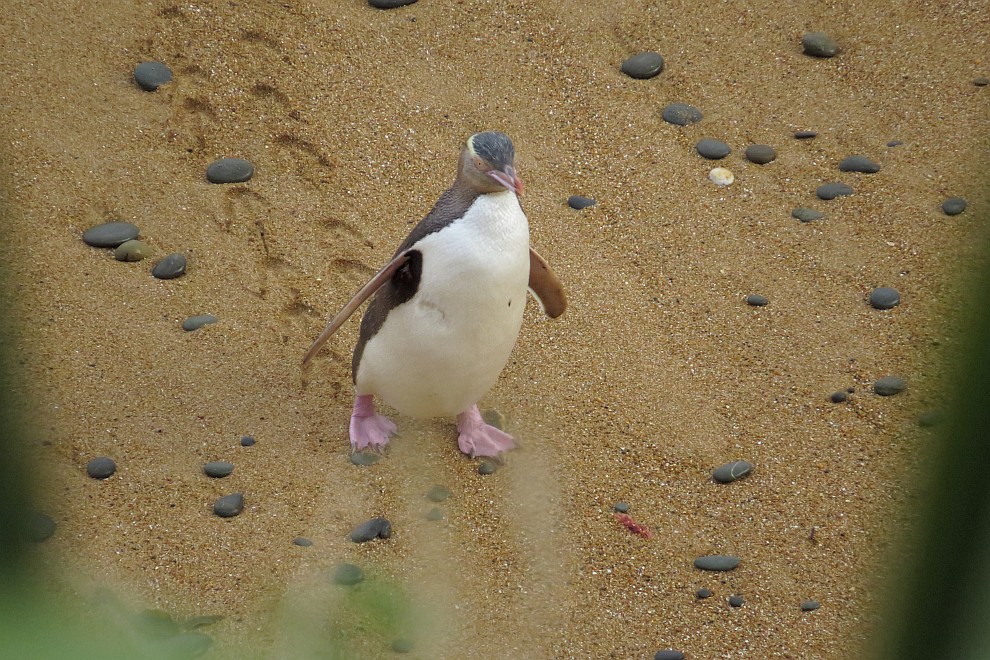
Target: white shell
column 721, row 176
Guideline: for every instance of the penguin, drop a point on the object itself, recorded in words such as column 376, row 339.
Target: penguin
column 448, row 306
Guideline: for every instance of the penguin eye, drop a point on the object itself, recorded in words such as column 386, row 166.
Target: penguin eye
column 480, row 164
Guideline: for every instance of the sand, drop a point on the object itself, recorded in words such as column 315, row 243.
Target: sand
column 658, row 372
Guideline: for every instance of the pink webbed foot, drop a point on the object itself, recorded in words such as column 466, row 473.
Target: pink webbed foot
column 476, row 438
column 369, row 429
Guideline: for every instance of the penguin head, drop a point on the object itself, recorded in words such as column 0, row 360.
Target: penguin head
column 488, row 163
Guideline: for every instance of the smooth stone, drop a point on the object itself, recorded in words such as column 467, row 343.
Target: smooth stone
column 434, row 514
column 725, row 474
column 229, row 506
column 930, row 418
column 668, row 654
column 302, row 542
column 681, row 114
column 885, row 297
column 493, row 417
column 819, row 44
column 133, row 250
column 170, row 267
column 487, row 467
column 839, row 396
column 982, row 81
column 402, row 645
column 198, row 321
column 954, row 206
column 895, row 143
column 721, row 176
column 756, row 300
column 390, row 4
column 229, row 170
column 643, row 66
column 152, row 75
column 736, row 601
column 761, row 154
column 805, row 135
column 859, row 164
column 810, row 605
column 347, row 574
column 364, row 457
column 218, row 469
column 373, row 529
column 101, row 467
column 703, row 593
column 438, row 493
column 247, row 441
column 807, row 215
column 577, row 202
column 712, row 149
column 621, row 507
column 716, row 562
column 38, row 527
column 889, row 386
column 110, row 234
column 833, row 190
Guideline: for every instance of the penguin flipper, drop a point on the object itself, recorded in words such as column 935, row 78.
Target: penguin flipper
column 375, row 283
column 545, row 286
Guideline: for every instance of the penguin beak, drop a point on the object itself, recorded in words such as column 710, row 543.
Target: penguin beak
column 507, row 178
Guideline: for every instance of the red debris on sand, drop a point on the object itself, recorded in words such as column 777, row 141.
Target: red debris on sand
column 633, row 526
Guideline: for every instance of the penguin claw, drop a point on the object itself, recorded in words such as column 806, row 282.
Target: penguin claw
column 476, row 438
column 368, row 429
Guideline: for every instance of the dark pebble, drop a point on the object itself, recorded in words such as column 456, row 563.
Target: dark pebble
column 819, row 44
column 152, row 75
column 218, row 469
column 859, row 164
column 247, row 441
column 170, row 267
column 376, row 528
column 390, row 4
column 132, row 250
column 756, row 300
column 488, row 467
column 810, row 605
column 889, row 386
column 885, row 297
column 38, row 527
column 761, row 154
column 703, row 593
column 930, row 418
column 402, row 645
column 434, row 514
column 805, row 135
column 101, row 467
column 198, row 321
column 643, row 66
column 982, row 81
column 494, row 418
column 736, row 601
column 954, row 206
column 681, row 114
column 833, row 190
column 716, row 562
column 839, row 397
column 438, row 493
column 364, row 457
column 347, row 574
column 229, row 506
column 302, row 542
column 712, row 149
column 578, row 202
column 807, row 215
column 110, row 234
column 895, row 143
column 621, row 507
column 668, row 654
column 229, row 170
column 725, row 474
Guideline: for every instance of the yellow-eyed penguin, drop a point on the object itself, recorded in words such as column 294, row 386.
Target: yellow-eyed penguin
column 449, row 305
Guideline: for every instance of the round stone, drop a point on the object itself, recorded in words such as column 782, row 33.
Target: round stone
column 373, row 529
column 365, row 458
column 730, row 472
column 494, row 418
column 487, row 467
column 810, row 605
column 38, row 527
column 681, row 114
column 438, row 493
column 819, row 44
column 839, row 396
column 247, row 441
column 807, row 215
column 402, row 645
column 859, row 164
column 110, row 234
column 171, row 267
column 805, row 135
column 229, row 170
column 761, row 154
column 218, row 469
column 643, row 66
column 132, row 250
column 833, row 190
column 703, row 593
column 954, row 206
column 434, row 514
column 716, row 562
column 885, row 297
column 152, row 75
column 736, row 601
column 229, row 506
column 101, row 467
column 198, row 321
column 302, row 542
column 390, row 4
column 712, row 149
column 668, row 654
column 621, row 507
column 756, row 300
column 578, row 202
column 982, row 81
column 889, row 386
column 721, row 176
column 347, row 574
column 930, row 418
